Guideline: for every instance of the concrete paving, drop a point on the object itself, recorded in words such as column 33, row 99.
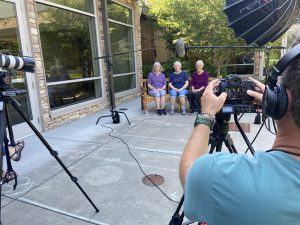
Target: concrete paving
column 106, row 170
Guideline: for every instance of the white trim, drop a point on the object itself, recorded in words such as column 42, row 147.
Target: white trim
column 72, row 81
column 98, row 40
column 66, row 7
column 120, row 23
column 25, row 40
column 123, row 74
column 69, row 109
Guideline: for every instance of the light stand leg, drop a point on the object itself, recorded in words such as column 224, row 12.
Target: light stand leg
column 52, row 152
column 113, row 115
column 2, row 133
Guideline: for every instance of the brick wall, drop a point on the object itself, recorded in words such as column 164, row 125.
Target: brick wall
column 163, row 54
column 47, row 121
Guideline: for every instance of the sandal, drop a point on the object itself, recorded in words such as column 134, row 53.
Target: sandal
column 16, row 156
column 6, row 177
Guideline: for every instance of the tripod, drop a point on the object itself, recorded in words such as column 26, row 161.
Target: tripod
column 5, row 100
column 218, row 136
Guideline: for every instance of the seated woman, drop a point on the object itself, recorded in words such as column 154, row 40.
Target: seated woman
column 157, row 86
column 179, row 81
column 198, row 84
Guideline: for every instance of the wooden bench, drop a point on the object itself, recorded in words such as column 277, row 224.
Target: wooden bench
column 146, row 98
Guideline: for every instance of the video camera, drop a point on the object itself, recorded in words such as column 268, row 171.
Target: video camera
column 238, row 101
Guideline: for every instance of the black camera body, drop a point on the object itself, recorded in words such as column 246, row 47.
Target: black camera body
column 5, row 80
column 238, row 101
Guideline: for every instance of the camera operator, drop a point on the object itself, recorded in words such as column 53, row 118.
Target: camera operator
column 231, row 189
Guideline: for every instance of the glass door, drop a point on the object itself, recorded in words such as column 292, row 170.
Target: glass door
column 10, row 43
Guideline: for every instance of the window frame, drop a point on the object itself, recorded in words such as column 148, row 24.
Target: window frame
column 133, row 26
column 70, row 108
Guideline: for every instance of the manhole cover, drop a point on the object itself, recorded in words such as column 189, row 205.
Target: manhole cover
column 153, row 178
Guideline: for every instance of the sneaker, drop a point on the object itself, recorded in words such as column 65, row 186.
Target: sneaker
column 159, row 112
column 172, row 111
column 183, row 112
column 163, row 110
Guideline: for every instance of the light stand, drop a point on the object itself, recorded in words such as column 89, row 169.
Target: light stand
column 114, row 114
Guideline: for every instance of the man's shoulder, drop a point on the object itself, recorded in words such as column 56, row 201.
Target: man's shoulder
column 235, row 160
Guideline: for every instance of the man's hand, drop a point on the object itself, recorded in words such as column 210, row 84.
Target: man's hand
column 260, row 88
column 211, row 103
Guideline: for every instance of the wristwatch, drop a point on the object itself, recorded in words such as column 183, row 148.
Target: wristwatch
column 205, row 119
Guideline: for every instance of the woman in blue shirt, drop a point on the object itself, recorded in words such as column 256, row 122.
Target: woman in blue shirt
column 179, row 81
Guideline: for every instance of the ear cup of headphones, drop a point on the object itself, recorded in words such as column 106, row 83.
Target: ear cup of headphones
column 275, row 102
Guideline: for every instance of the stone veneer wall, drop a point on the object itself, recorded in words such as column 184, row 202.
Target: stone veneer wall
column 49, row 122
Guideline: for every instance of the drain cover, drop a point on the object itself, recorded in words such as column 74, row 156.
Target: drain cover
column 153, row 178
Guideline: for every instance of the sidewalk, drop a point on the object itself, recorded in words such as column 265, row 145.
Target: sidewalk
column 106, row 170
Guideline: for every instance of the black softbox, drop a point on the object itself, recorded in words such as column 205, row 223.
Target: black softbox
column 261, row 21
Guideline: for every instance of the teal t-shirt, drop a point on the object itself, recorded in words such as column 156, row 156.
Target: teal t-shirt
column 231, row 189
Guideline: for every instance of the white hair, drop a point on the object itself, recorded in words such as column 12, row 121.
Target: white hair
column 199, row 62
column 177, row 63
column 157, row 64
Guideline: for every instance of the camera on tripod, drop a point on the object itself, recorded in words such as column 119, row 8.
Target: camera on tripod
column 238, row 101
column 24, row 63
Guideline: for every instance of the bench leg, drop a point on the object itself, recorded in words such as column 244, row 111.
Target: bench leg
column 145, row 106
column 142, row 103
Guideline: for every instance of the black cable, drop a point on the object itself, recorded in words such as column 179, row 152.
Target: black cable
column 256, row 135
column 139, row 165
column 268, row 127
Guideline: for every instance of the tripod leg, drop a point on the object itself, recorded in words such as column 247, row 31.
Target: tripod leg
column 177, row 219
column 243, row 134
column 2, row 132
column 52, row 152
column 125, row 116
column 229, row 144
column 10, row 171
column 102, row 117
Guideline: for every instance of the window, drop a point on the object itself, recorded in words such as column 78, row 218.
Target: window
column 242, row 65
column 10, row 44
column 69, row 47
column 121, row 37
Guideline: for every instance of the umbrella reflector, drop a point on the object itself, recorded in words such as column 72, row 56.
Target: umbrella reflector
column 235, row 9
column 246, row 22
column 260, row 21
column 265, row 25
column 277, row 28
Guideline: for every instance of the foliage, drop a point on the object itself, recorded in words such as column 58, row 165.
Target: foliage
column 199, row 23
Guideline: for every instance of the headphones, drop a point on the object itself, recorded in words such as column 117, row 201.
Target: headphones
column 275, row 98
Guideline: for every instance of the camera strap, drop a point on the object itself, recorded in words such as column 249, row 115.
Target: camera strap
column 280, row 150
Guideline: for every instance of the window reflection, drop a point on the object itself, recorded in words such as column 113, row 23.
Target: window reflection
column 72, row 93
column 119, row 13
column 121, row 37
column 67, row 40
column 125, row 82
column 69, row 46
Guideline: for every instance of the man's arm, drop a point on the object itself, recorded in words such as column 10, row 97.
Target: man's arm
column 198, row 142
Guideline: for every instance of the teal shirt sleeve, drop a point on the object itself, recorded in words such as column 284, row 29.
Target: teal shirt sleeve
column 198, row 196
